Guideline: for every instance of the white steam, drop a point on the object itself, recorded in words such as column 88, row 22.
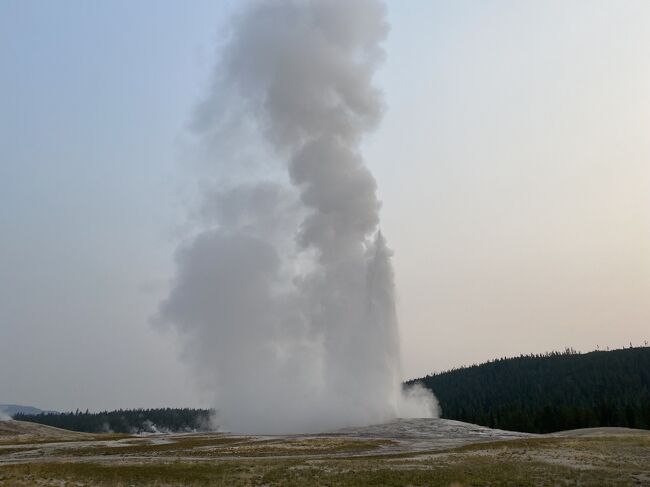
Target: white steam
column 285, row 296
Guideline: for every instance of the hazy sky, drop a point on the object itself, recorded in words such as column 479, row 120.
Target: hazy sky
column 513, row 163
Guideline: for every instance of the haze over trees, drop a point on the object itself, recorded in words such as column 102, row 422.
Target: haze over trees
column 125, row 420
column 549, row 392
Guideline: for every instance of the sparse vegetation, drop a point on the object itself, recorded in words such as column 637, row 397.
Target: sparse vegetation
column 623, row 461
column 223, row 446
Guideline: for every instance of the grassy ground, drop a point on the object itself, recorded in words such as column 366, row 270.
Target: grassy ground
column 323, row 461
column 226, row 446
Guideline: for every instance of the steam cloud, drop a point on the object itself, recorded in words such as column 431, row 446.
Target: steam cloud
column 285, row 295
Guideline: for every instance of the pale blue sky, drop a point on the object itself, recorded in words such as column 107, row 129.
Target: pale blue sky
column 513, row 163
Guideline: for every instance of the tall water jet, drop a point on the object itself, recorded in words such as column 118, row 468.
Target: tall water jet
column 284, row 297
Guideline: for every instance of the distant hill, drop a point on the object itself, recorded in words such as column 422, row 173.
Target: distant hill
column 11, row 409
column 550, row 392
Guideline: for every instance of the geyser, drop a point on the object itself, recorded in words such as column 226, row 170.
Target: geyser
column 284, row 296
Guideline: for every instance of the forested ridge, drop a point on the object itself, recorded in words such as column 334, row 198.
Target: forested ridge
column 549, row 392
column 534, row 393
column 125, row 420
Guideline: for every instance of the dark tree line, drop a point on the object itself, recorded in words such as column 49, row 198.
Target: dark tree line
column 550, row 392
column 125, row 420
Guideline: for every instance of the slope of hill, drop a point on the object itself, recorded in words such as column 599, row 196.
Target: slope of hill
column 551, row 392
column 22, row 432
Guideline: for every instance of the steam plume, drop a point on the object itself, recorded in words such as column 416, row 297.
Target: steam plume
column 285, row 296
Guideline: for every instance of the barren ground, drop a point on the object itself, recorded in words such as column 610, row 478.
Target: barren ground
column 406, row 452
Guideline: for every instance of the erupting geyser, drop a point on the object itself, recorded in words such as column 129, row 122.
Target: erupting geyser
column 285, row 296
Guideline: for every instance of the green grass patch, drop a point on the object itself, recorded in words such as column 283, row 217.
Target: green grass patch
column 176, row 473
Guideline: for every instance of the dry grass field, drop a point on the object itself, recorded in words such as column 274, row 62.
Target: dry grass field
column 421, row 452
